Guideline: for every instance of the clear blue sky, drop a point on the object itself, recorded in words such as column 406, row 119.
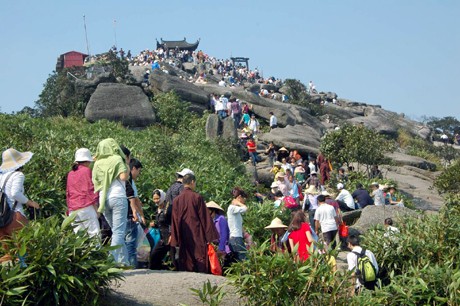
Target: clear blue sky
column 403, row 55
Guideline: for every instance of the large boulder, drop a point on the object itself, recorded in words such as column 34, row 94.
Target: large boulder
column 118, row 102
column 303, row 138
column 164, row 82
column 213, row 128
column 228, row 129
column 372, row 215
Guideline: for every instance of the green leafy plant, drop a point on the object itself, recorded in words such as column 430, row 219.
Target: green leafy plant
column 63, row 268
column 211, row 295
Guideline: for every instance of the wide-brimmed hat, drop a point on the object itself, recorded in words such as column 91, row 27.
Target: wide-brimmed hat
column 276, row 223
column 13, row 159
column 311, row 190
column 212, row 204
column 299, row 169
column 280, row 174
column 283, row 149
column 184, row 172
column 83, row 155
column 274, row 185
column 375, row 184
column 243, row 135
column 325, row 193
column 277, row 163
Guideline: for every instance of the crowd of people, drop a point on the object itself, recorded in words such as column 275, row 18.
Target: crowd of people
column 104, row 202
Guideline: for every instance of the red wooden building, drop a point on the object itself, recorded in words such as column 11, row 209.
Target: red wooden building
column 70, row 59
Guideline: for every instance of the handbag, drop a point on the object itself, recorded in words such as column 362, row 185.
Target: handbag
column 214, row 262
column 343, row 230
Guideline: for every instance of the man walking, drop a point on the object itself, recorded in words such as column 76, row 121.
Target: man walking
column 192, row 228
column 352, row 259
column 327, row 219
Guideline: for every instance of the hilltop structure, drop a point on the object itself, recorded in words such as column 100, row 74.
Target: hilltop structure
column 70, row 59
column 182, row 45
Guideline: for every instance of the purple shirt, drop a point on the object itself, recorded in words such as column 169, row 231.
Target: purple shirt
column 222, row 228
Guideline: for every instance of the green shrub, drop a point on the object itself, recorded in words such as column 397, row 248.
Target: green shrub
column 278, row 279
column 63, row 268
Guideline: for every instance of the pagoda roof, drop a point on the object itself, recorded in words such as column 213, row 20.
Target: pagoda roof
column 180, row 44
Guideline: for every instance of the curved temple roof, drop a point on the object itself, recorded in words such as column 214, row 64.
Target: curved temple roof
column 180, row 44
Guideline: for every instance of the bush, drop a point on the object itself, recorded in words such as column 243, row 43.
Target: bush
column 277, row 279
column 63, row 268
column 448, row 180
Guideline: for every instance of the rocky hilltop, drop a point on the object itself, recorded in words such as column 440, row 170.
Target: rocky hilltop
column 298, row 128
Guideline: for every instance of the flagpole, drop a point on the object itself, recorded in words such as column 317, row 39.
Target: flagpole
column 115, row 31
column 86, row 35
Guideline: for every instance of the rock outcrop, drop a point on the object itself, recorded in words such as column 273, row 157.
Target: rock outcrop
column 123, row 103
column 372, row 215
column 215, row 127
column 164, row 82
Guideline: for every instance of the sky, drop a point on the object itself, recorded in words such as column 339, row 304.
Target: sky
column 400, row 54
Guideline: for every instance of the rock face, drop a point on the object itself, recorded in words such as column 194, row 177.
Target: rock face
column 164, row 82
column 402, row 159
column 303, row 138
column 372, row 215
column 215, row 127
column 118, row 102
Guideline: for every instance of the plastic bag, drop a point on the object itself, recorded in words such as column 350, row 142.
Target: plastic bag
column 343, row 230
column 143, row 248
column 214, row 262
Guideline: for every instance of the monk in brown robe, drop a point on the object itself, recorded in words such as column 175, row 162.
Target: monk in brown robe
column 192, row 228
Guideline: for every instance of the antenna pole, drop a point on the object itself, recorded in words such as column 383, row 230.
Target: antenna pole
column 115, row 31
column 86, row 35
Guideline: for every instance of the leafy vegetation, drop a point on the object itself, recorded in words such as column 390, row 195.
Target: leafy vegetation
column 210, row 294
column 355, row 144
column 62, row 268
column 448, row 181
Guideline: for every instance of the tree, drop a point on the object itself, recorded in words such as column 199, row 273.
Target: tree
column 448, row 180
column 358, row 144
column 59, row 97
column 447, row 124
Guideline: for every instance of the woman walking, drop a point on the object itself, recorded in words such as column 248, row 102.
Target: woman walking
column 110, row 173
column 12, row 183
column 80, row 196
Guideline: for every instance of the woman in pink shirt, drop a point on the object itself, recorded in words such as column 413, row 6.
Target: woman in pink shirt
column 80, row 196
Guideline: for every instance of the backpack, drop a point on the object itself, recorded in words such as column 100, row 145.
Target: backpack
column 365, row 270
column 6, row 212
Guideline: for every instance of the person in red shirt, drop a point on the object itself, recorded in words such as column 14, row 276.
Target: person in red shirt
column 300, row 235
column 80, row 196
column 252, row 149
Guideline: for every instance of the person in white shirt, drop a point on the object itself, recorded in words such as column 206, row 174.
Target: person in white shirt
column 345, row 199
column 327, row 219
column 390, row 230
column 235, row 223
column 12, row 182
column 222, row 83
column 254, row 125
column 377, row 194
column 273, row 121
column 352, row 260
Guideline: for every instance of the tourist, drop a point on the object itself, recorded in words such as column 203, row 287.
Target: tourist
column 310, row 203
column 375, row 172
column 299, row 173
column 162, row 247
column 235, row 223
column 174, row 190
column 221, row 224
column 300, row 235
column 326, row 218
column 254, row 125
column 445, row 138
column 236, row 112
column 222, row 83
column 135, row 213
column 283, row 183
column 342, row 177
column 352, row 260
column 192, row 228
column 391, row 197
column 377, row 194
column 252, row 150
column 221, row 108
column 271, row 152
column 282, row 153
column 313, row 180
column 390, row 230
column 312, row 167
column 276, row 239
column 345, row 199
column 12, row 183
column 273, row 121
column 80, row 197
column 110, row 173
column 324, row 168
column 361, row 196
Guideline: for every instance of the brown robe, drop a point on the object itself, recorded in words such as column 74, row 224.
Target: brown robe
column 192, row 228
